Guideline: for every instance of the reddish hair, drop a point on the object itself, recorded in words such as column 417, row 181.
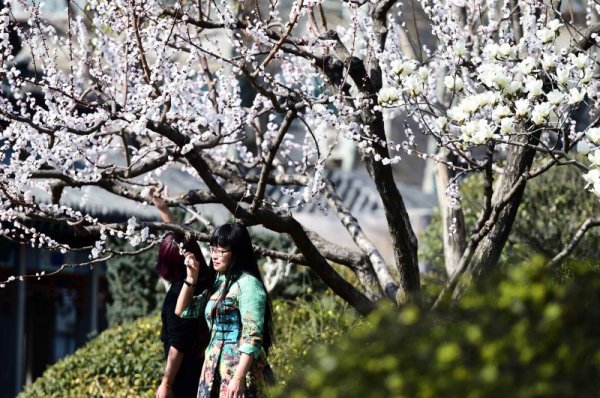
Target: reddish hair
column 170, row 264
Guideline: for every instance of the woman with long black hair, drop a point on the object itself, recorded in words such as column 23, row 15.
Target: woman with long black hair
column 184, row 340
column 238, row 314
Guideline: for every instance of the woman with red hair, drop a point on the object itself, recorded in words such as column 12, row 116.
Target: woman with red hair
column 184, row 340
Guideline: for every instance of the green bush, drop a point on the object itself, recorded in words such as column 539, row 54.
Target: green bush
column 124, row 361
column 127, row 360
column 305, row 323
column 535, row 333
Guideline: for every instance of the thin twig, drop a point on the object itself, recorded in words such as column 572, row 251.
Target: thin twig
column 569, row 247
column 262, row 183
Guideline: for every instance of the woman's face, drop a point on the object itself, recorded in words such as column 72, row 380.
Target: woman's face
column 221, row 258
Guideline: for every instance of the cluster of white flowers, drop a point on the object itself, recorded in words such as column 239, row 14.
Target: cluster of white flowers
column 591, row 147
column 505, row 95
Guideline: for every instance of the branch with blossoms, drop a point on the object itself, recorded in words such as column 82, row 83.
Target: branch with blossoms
column 250, row 100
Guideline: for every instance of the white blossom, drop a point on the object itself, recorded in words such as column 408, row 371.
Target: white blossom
column 440, row 123
column 587, row 76
column 562, row 76
column 477, row 131
column 459, row 49
column 593, row 135
column 457, row 114
column 501, row 112
column 594, row 158
column 424, row 73
column 131, row 224
column 546, row 35
column 387, row 95
column 513, row 88
column 592, row 177
column 471, row 104
column 596, row 189
column 549, row 61
column 488, row 73
column 413, row 86
column 506, row 50
column 555, row 97
column 540, row 113
column 506, row 125
column 453, row 83
column 534, row 87
column 554, row 25
column 583, row 147
column 579, row 61
column 576, row 96
column 144, row 234
column 526, row 66
column 522, row 108
column 483, row 133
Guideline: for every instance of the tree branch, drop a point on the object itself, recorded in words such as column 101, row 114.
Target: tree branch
column 568, row 249
column 362, row 241
column 266, row 169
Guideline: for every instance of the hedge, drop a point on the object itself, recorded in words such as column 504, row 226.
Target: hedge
column 124, row 361
column 127, row 360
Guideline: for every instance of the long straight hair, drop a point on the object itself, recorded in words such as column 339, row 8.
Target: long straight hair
column 235, row 236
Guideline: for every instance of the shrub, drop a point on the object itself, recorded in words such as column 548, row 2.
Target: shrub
column 534, row 334
column 124, row 361
column 127, row 360
column 306, row 323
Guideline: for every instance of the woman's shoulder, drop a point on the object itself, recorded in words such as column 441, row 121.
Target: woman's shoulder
column 249, row 281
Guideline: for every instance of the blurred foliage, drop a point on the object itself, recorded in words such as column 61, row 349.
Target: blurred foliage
column 553, row 208
column 127, row 360
column 533, row 333
column 303, row 324
column 123, row 361
column 133, row 286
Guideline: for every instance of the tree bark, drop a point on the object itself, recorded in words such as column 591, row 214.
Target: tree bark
column 452, row 215
column 492, row 237
column 361, row 240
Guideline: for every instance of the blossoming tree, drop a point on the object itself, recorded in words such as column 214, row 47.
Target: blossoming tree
column 508, row 89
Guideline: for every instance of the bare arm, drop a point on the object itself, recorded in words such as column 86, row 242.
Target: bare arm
column 243, row 366
column 237, row 384
column 187, row 292
column 161, row 206
column 174, row 359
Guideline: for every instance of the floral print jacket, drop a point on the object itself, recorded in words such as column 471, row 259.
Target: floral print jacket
column 236, row 329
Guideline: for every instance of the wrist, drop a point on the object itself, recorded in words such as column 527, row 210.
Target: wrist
column 166, row 384
column 240, row 378
column 191, row 282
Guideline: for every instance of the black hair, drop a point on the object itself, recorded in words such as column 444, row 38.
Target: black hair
column 235, row 236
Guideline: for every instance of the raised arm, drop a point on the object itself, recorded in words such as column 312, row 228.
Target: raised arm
column 161, row 205
column 187, row 291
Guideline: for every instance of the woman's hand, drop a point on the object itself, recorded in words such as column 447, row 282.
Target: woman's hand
column 164, row 391
column 192, row 267
column 157, row 199
column 235, row 388
column 161, row 205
